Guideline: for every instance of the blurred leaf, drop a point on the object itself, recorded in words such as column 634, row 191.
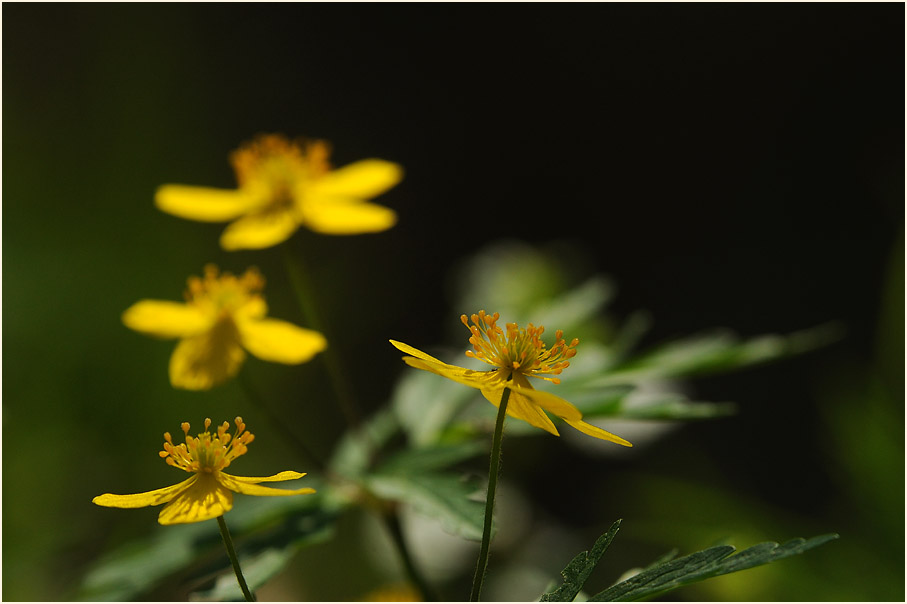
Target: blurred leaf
column 425, row 404
column 441, row 496
column 356, row 450
column 708, row 563
column 717, row 352
column 176, row 555
column 432, row 458
column 579, row 569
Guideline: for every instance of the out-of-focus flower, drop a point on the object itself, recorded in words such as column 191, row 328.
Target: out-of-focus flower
column 394, row 593
column 284, row 185
column 208, row 493
column 516, row 355
column 222, row 318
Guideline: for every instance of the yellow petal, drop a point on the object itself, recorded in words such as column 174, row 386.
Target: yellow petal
column 164, row 319
column 279, row 341
column 415, row 352
column 208, row 359
column 259, row 230
column 285, row 475
column 203, row 203
column 520, row 407
column 597, row 432
column 467, row 377
column 235, row 483
column 549, row 402
column 141, row 500
column 363, row 179
column 203, row 500
column 345, row 216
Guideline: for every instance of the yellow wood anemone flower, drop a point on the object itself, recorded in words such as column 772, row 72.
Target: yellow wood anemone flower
column 208, row 493
column 284, row 185
column 222, row 318
column 516, row 354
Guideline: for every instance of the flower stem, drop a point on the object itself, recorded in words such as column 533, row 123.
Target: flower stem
column 302, row 288
column 493, row 469
column 392, row 519
column 231, row 552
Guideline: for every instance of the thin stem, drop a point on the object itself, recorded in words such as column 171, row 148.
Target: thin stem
column 277, row 422
column 302, row 288
column 392, row 518
column 228, row 543
column 493, row 469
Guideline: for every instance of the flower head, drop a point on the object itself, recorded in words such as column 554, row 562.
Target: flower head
column 222, row 318
column 284, row 185
column 516, row 354
column 208, row 493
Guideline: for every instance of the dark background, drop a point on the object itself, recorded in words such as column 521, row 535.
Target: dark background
column 735, row 166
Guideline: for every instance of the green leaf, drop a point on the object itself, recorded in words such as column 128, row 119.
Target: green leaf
column 708, row 563
column 442, row 496
column 717, row 352
column 432, row 458
column 579, row 569
column 355, row 451
column 266, row 528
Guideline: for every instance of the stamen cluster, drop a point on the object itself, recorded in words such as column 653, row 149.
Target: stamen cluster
column 274, row 160
column 224, row 292
column 207, row 452
column 517, row 349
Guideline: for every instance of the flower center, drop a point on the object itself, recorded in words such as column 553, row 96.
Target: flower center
column 223, row 295
column 517, row 349
column 274, row 166
column 207, row 453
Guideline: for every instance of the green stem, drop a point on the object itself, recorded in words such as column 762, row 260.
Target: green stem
column 493, row 469
column 302, row 288
column 279, row 424
column 231, row 552
column 392, row 518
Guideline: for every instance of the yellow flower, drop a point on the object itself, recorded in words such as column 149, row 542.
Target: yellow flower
column 284, row 185
column 208, row 493
column 515, row 355
column 223, row 317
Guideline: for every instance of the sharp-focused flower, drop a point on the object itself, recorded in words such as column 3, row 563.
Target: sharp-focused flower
column 516, row 355
column 208, row 493
column 284, row 185
column 222, row 318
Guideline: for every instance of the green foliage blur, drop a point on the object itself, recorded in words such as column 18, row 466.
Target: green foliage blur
column 708, row 176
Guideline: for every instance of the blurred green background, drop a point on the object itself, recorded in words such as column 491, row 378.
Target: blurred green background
column 726, row 165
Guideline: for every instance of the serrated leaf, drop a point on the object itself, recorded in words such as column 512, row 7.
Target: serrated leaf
column 441, row 496
column 579, row 569
column 708, row 563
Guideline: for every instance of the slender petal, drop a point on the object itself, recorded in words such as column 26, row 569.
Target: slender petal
column 285, row 475
column 259, row 230
column 206, row 498
column 204, row 203
column 597, row 432
column 280, row 341
column 246, row 488
column 548, row 402
column 164, row 319
column 467, row 377
column 363, row 179
column 344, row 215
column 206, row 360
column 141, row 500
column 520, row 407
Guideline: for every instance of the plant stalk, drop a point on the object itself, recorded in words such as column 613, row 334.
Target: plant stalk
column 234, row 560
column 493, row 470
